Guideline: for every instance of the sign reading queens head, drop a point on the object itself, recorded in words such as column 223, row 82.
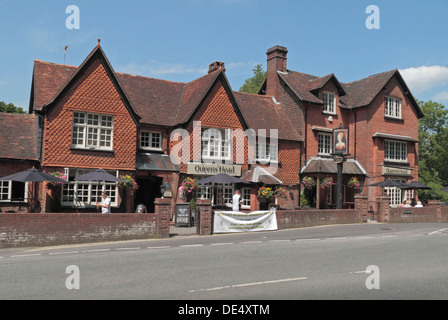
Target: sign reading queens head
column 209, row 169
column 210, row 151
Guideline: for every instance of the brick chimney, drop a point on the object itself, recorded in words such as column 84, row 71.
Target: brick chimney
column 216, row 66
column 277, row 57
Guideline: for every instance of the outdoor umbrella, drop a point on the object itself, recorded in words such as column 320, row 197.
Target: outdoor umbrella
column 98, row 175
column 31, row 175
column 415, row 185
column 221, row 178
column 387, row 184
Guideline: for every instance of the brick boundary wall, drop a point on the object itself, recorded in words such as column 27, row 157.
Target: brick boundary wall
column 50, row 229
column 435, row 213
column 288, row 219
column 27, row 229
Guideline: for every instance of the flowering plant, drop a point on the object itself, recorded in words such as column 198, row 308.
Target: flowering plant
column 266, row 192
column 59, row 175
column 308, row 182
column 354, row 183
column 326, row 183
column 280, row 193
column 128, row 182
column 188, row 185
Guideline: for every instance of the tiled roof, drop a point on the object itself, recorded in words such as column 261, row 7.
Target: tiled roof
column 261, row 112
column 18, row 136
column 166, row 103
column 354, row 94
column 361, row 93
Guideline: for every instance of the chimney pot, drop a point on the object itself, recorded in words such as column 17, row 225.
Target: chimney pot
column 216, row 66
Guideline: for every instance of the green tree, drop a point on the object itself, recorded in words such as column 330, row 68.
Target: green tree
column 10, row 108
column 433, row 148
column 253, row 84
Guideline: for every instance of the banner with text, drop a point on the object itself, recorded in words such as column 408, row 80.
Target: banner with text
column 229, row 221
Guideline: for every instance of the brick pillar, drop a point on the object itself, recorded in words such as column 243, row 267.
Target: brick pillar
column 163, row 214
column 362, row 205
column 383, row 208
column 205, row 217
column 129, row 200
column 436, row 204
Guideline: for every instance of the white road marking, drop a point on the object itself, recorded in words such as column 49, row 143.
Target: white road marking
column 161, row 247
column 26, row 255
column 191, row 245
column 437, row 231
column 97, row 250
column 223, row 244
column 248, row 242
column 59, row 253
column 123, row 249
column 279, row 240
column 250, row 284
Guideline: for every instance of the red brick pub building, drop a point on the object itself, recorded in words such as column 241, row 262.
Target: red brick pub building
column 89, row 117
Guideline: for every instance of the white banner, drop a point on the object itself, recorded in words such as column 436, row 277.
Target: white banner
column 229, row 221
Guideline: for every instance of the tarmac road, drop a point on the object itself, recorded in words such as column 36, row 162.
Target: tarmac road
column 313, row 263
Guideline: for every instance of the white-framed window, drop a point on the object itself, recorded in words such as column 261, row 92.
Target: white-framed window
column 86, row 193
column 12, row 191
column 392, row 107
column 325, row 143
column 92, row 131
column 150, row 140
column 395, row 150
column 216, row 144
column 267, row 152
column 395, row 194
column 329, row 102
column 245, row 195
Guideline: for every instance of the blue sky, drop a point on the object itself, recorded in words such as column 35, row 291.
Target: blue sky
column 177, row 39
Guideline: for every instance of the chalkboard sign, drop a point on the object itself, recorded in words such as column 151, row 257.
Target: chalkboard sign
column 183, row 215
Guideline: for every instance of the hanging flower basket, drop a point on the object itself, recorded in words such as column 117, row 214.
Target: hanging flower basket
column 326, row 183
column 187, row 187
column 280, row 193
column 308, row 183
column 354, row 183
column 54, row 185
column 128, row 182
column 266, row 192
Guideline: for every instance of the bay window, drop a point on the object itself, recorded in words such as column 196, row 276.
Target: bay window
column 86, row 193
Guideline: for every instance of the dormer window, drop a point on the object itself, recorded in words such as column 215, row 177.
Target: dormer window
column 329, row 103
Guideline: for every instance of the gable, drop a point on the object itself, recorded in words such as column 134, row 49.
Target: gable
column 43, row 80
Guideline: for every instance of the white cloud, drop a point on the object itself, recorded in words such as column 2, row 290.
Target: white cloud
column 441, row 97
column 424, row 78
